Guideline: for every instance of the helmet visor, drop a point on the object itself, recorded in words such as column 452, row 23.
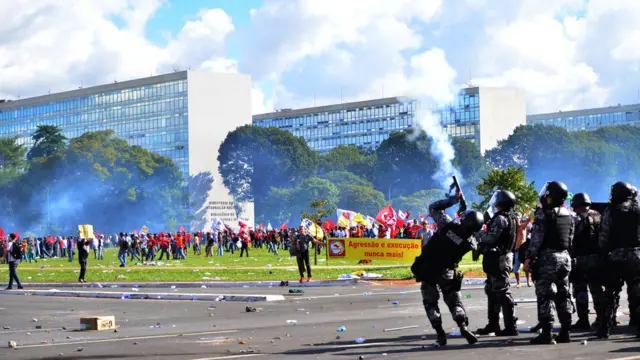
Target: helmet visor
column 491, row 210
column 543, row 191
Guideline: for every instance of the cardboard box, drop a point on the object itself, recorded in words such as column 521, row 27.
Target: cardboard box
column 98, row 323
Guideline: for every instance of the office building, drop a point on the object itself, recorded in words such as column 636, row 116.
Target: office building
column 589, row 119
column 183, row 115
column 482, row 115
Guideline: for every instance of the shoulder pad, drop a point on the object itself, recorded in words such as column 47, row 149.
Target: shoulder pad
column 563, row 211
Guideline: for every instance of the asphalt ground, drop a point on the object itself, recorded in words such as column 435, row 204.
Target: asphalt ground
column 192, row 330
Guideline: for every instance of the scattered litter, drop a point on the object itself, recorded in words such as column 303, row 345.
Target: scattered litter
column 299, row 309
column 520, row 322
column 341, row 328
column 38, row 327
column 79, row 349
column 173, row 286
column 250, row 351
column 126, row 296
column 134, row 289
column 6, row 327
column 250, row 309
column 347, row 277
column 242, row 342
column 12, row 344
column 366, row 294
column 114, row 286
column 203, row 286
column 583, row 342
column 337, row 337
column 296, row 291
column 268, row 266
column 35, row 320
column 469, row 297
column 292, row 322
column 619, row 313
column 396, row 303
column 455, row 333
column 360, row 340
column 401, row 328
column 404, row 293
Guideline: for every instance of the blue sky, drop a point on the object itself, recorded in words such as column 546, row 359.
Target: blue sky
column 175, row 13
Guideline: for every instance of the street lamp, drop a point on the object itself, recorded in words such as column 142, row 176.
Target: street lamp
column 393, row 183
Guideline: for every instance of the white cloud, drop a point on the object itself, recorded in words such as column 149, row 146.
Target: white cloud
column 47, row 44
column 566, row 54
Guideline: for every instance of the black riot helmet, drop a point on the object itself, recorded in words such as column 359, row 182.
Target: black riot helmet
column 554, row 190
column 580, row 199
column 634, row 192
column 503, row 199
column 472, row 221
column 621, row 192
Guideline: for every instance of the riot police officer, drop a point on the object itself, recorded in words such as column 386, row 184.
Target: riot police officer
column 436, row 266
column 585, row 252
column 620, row 241
column 497, row 246
column 548, row 253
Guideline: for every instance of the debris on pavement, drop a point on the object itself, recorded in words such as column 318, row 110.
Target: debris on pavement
column 341, row 328
column 12, row 344
column 401, row 328
column 360, row 340
column 292, row 322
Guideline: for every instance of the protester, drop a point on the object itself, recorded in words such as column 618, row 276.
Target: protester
column 13, row 256
column 301, row 252
column 83, row 257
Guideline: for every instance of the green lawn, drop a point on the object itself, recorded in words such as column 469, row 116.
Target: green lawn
column 261, row 266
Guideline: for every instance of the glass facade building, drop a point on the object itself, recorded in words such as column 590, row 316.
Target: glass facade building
column 589, row 119
column 368, row 123
column 153, row 116
column 184, row 116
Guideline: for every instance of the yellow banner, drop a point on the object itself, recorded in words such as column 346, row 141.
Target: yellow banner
column 374, row 249
column 85, row 231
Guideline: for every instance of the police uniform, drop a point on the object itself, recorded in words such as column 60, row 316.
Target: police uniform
column 497, row 262
column 620, row 238
column 550, row 241
column 587, row 266
column 437, row 266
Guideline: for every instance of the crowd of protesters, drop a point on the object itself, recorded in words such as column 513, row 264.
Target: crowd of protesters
column 156, row 247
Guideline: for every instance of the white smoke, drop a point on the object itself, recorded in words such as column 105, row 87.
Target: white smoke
column 441, row 147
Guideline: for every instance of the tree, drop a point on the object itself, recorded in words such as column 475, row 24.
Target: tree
column 254, row 159
column 418, row 202
column 512, row 179
column 320, row 210
column 102, row 180
column 405, row 164
column 469, row 160
column 12, row 167
column 351, row 158
column 48, row 139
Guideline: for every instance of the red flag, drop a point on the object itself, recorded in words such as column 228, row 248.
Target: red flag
column 242, row 224
column 400, row 223
column 181, row 229
column 422, row 218
column 387, row 216
column 3, row 235
column 283, row 226
column 261, row 227
column 408, row 213
column 328, row 226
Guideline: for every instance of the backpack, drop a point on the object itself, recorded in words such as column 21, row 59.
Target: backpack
column 16, row 251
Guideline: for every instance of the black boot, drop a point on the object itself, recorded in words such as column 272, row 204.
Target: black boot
column 510, row 321
column 545, row 337
column 494, row 319
column 471, row 339
column 581, row 324
column 564, row 336
column 536, row 328
column 441, row 336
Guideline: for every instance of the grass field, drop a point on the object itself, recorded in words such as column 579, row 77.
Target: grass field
column 262, row 265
